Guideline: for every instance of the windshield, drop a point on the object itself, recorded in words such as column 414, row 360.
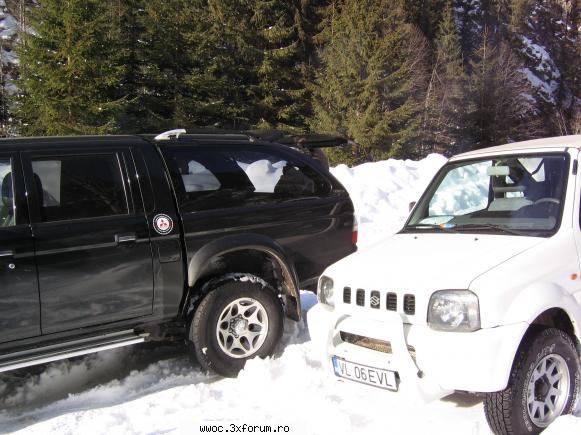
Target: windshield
column 520, row 195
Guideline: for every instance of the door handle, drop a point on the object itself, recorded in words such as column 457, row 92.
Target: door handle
column 7, row 253
column 125, row 238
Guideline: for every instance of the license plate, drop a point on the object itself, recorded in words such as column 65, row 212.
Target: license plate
column 364, row 374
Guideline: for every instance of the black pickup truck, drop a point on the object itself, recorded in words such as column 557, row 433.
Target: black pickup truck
column 113, row 240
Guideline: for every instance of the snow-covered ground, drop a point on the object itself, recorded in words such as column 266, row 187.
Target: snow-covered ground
column 154, row 389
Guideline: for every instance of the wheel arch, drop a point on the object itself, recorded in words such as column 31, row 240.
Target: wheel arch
column 554, row 317
column 549, row 304
column 541, row 305
column 558, row 318
column 210, row 264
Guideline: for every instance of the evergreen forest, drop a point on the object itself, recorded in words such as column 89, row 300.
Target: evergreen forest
column 399, row 78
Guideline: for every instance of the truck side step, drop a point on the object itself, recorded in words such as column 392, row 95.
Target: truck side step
column 59, row 351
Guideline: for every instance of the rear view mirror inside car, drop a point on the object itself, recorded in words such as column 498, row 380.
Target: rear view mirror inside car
column 497, row 171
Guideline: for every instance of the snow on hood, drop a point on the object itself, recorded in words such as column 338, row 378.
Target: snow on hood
column 428, row 262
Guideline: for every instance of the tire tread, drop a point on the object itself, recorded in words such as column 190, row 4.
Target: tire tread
column 199, row 326
column 498, row 406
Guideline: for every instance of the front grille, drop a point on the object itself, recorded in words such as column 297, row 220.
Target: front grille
column 391, row 302
column 375, row 299
column 360, row 297
column 409, row 300
column 347, row 295
column 409, row 304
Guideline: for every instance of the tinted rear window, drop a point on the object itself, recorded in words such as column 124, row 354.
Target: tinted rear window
column 212, row 178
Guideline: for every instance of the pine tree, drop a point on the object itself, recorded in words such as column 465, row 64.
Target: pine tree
column 68, row 74
column 172, row 47
column 127, row 23
column 367, row 83
column 500, row 108
column 5, row 96
column 283, row 70
column 444, row 97
column 519, row 9
column 178, row 64
column 261, row 65
column 234, row 62
column 558, row 23
column 426, row 14
column 8, row 71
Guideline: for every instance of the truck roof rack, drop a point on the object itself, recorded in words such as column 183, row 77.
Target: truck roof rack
column 311, row 140
column 278, row 136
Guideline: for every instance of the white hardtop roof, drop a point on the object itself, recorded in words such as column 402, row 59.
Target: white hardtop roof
column 548, row 144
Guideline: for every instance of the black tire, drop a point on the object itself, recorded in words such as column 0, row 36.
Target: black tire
column 205, row 328
column 507, row 411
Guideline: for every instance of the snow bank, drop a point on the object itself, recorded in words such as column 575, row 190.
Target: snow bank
column 382, row 192
column 153, row 389
column 567, row 424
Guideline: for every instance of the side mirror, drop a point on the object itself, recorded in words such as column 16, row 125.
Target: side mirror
column 412, row 205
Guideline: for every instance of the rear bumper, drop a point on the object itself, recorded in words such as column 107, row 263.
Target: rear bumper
column 443, row 362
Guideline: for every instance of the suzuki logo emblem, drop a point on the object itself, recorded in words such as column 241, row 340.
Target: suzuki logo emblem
column 375, row 301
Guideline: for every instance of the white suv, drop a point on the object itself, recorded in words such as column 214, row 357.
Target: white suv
column 480, row 291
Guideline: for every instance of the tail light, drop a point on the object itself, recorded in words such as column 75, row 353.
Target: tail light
column 354, row 231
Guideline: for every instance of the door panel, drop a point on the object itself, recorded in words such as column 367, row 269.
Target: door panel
column 92, row 243
column 19, row 301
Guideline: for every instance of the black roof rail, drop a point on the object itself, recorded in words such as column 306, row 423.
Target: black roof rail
column 308, row 141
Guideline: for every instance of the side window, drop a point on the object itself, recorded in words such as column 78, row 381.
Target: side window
column 7, row 215
column 198, row 178
column 232, row 177
column 79, row 186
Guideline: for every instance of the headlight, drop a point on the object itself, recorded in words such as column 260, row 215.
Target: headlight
column 325, row 290
column 454, row 310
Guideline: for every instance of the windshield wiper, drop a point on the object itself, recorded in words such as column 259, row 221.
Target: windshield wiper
column 490, row 227
column 442, row 227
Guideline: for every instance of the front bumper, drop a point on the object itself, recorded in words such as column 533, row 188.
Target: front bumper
column 444, row 361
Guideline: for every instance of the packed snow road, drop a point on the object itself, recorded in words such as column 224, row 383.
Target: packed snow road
column 155, row 388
